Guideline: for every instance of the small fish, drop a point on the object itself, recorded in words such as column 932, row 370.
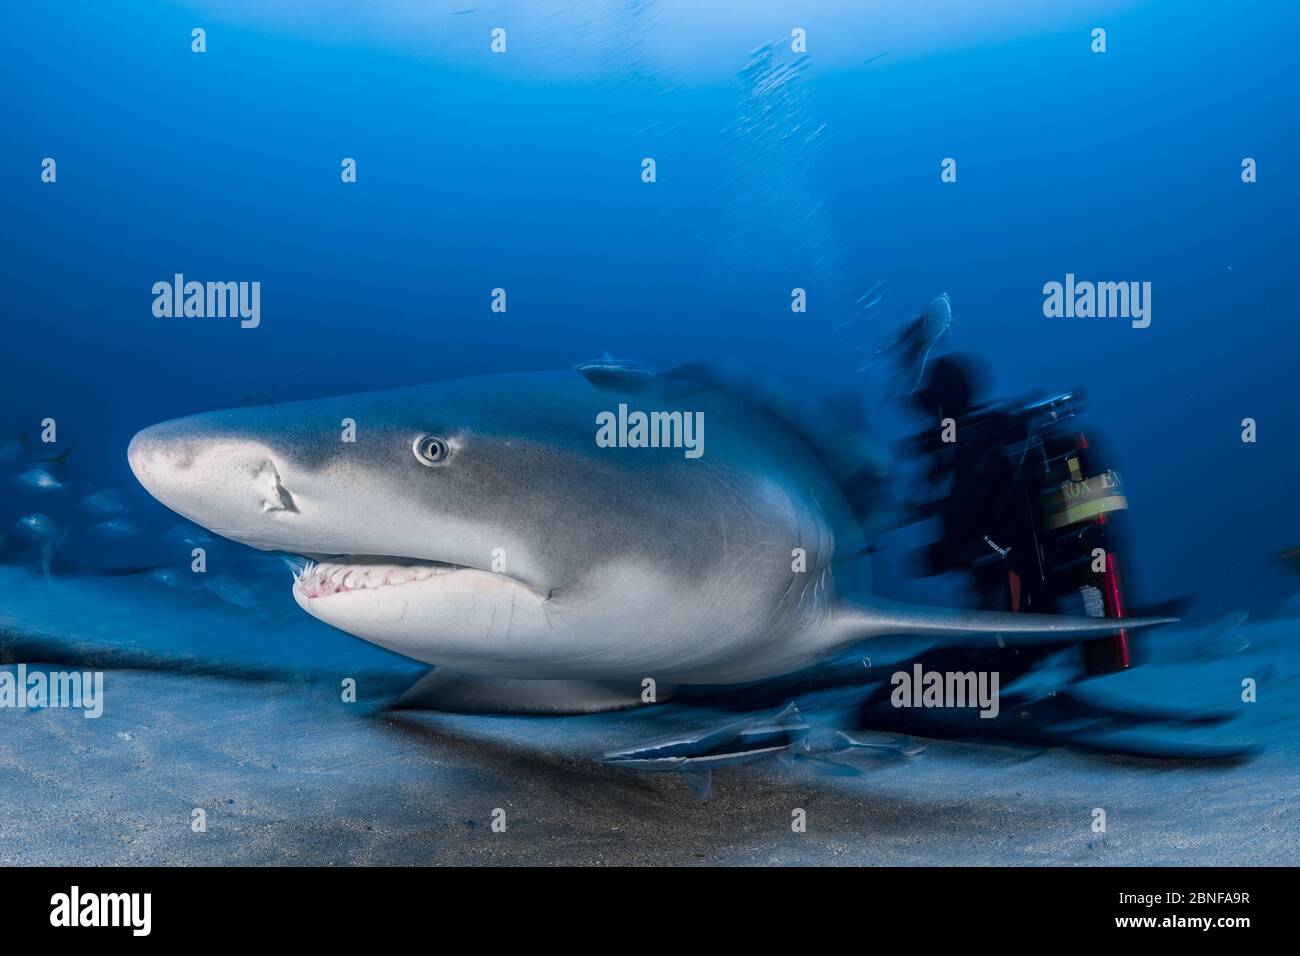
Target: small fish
column 187, row 536
column 875, row 294
column 696, row 756
column 42, row 530
column 875, row 301
column 37, row 527
column 38, row 481
column 115, row 529
column 866, row 305
column 232, row 591
column 911, row 348
column 170, row 578
column 106, row 503
column 840, row 742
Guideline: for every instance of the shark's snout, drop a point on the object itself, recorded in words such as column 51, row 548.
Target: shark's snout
column 231, row 485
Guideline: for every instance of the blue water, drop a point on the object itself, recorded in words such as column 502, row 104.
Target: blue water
column 523, row 171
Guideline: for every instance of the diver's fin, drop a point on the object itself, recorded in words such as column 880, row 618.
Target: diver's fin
column 1081, row 704
column 878, row 617
column 1156, row 745
column 700, row 782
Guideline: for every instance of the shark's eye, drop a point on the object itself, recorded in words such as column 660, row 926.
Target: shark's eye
column 430, row 450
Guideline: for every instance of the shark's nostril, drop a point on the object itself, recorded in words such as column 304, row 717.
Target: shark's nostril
column 275, row 496
column 281, row 501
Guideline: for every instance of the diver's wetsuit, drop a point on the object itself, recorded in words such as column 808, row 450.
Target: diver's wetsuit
column 986, row 528
column 981, row 493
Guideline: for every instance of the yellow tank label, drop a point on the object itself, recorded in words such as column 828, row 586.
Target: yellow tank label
column 1085, row 500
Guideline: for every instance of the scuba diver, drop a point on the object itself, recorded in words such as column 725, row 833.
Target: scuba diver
column 1030, row 506
column 979, row 494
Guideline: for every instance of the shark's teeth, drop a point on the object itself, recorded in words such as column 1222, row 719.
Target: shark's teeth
column 297, row 566
column 322, row 579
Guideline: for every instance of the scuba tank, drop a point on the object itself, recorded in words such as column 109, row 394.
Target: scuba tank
column 1078, row 500
column 1036, row 513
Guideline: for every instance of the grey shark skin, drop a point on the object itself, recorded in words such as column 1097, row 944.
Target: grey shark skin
column 527, row 551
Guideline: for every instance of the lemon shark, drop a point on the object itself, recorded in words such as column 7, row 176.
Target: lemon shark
column 484, row 526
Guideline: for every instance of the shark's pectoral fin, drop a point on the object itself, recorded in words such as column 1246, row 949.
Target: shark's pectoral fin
column 880, row 617
column 700, row 782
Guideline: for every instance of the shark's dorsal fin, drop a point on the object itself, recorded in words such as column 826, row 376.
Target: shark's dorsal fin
column 789, row 714
column 610, row 372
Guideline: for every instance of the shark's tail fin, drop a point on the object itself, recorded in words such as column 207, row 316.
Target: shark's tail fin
column 879, row 617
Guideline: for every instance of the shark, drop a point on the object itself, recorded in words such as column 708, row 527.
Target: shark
column 478, row 525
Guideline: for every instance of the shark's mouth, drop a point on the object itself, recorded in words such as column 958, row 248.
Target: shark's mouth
column 315, row 579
